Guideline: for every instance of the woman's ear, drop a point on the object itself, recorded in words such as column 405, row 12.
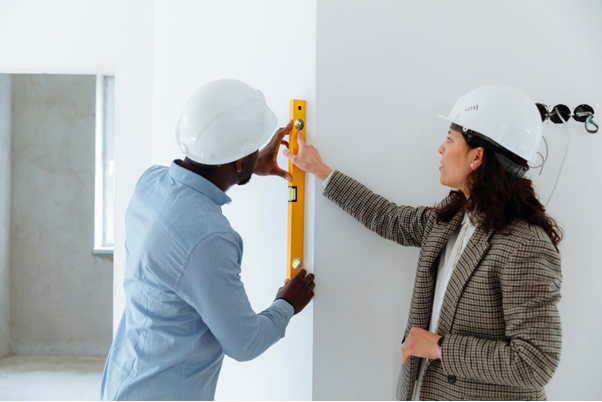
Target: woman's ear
column 477, row 157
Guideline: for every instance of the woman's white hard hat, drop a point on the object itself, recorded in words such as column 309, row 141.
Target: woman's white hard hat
column 506, row 116
column 223, row 121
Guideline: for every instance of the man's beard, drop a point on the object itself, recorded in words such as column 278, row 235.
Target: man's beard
column 245, row 179
column 248, row 168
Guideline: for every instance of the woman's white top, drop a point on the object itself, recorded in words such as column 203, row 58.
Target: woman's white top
column 448, row 259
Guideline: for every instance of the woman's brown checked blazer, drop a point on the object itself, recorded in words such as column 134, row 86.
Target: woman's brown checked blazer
column 499, row 314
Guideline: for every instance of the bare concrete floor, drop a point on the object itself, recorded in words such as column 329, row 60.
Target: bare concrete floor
column 50, row 378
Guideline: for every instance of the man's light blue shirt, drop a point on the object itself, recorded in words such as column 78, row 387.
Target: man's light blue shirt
column 185, row 302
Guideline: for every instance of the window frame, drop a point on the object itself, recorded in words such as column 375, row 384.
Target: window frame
column 104, row 185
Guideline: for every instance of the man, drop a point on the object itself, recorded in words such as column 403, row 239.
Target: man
column 186, row 305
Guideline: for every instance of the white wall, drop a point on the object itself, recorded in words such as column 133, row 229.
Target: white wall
column 5, row 181
column 384, row 70
column 57, row 284
column 91, row 37
column 271, row 45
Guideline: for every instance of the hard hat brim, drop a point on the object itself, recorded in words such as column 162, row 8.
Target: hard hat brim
column 446, row 118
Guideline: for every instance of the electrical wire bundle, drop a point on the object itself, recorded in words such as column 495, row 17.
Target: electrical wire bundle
column 559, row 114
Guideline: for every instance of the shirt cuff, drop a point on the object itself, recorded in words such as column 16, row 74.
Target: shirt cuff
column 285, row 307
column 325, row 182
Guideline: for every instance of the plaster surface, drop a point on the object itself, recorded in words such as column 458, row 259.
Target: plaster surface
column 253, row 42
column 388, row 68
column 5, row 146
column 61, row 298
column 50, row 378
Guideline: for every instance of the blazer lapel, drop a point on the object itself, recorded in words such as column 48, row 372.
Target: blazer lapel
column 437, row 239
column 470, row 258
column 424, row 287
column 424, row 292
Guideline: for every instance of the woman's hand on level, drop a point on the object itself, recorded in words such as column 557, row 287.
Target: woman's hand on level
column 308, row 159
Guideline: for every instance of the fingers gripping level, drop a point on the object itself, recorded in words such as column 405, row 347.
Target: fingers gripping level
column 296, row 191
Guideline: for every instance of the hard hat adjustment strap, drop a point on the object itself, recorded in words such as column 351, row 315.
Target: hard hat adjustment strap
column 510, row 166
column 507, row 159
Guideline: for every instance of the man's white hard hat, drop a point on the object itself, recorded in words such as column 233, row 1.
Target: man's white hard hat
column 223, row 121
column 505, row 116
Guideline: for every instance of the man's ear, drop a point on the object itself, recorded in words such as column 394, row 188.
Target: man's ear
column 239, row 165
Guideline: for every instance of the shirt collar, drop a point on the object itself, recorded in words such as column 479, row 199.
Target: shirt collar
column 198, row 183
column 467, row 220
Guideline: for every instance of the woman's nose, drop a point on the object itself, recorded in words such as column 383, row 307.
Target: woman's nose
column 440, row 149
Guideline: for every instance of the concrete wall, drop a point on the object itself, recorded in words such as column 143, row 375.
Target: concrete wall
column 271, row 45
column 384, row 70
column 5, row 145
column 61, row 294
column 93, row 37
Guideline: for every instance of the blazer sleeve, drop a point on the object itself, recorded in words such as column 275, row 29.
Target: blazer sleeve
column 401, row 224
column 530, row 285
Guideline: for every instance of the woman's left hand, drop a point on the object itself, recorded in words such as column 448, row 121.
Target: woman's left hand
column 420, row 343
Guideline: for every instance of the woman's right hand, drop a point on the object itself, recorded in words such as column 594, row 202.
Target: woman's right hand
column 308, row 159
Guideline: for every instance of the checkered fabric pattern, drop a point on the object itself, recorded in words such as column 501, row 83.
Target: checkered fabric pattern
column 499, row 315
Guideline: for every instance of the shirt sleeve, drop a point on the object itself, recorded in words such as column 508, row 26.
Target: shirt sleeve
column 211, row 283
column 325, row 182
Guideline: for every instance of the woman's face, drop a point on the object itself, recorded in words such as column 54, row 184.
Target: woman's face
column 455, row 161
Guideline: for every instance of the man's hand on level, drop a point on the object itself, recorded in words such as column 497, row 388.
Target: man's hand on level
column 299, row 291
column 267, row 164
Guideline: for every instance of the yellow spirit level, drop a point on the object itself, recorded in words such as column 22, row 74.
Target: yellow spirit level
column 296, row 194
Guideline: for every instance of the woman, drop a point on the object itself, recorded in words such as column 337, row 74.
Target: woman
column 483, row 320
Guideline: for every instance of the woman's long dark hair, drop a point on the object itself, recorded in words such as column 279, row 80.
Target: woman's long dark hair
column 497, row 197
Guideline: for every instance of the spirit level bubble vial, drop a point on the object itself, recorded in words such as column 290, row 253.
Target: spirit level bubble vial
column 296, row 194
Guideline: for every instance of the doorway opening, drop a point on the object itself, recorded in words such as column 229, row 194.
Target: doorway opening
column 57, row 274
